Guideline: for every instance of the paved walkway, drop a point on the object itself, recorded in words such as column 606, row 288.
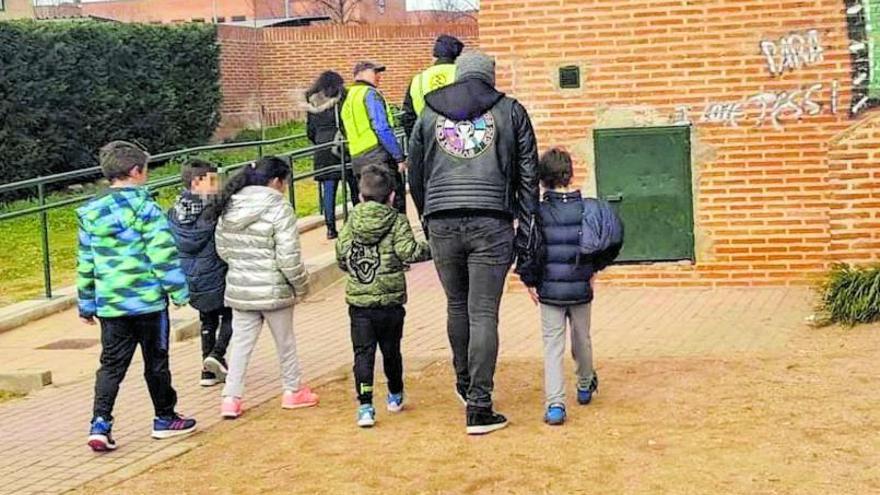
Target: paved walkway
column 44, row 435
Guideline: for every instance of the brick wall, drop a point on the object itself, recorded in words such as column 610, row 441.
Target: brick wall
column 776, row 199
column 274, row 66
column 17, row 9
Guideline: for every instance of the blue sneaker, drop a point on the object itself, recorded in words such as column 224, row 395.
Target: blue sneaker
column 100, row 438
column 172, row 426
column 395, row 402
column 366, row 416
column 585, row 395
column 555, row 414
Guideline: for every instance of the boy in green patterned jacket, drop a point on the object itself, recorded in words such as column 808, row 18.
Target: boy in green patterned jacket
column 127, row 268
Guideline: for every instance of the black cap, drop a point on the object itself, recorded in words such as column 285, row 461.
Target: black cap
column 367, row 65
column 448, row 47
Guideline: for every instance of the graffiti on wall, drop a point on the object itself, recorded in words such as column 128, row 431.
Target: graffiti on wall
column 767, row 108
column 789, row 53
column 863, row 26
column 792, row 52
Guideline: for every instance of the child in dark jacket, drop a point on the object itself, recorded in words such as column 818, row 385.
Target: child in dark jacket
column 373, row 246
column 565, row 292
column 193, row 220
column 127, row 268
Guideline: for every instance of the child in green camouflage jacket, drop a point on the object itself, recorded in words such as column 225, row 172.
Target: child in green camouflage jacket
column 127, row 267
column 373, row 246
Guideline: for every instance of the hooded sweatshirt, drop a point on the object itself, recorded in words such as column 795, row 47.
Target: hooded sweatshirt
column 127, row 261
column 193, row 229
column 258, row 238
column 373, row 246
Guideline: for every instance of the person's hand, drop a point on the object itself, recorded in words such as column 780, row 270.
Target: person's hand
column 533, row 295
column 402, row 167
column 593, row 283
column 88, row 320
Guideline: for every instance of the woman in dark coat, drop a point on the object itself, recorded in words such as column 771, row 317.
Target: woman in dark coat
column 323, row 104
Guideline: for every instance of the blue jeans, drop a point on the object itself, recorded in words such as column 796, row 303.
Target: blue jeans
column 328, row 201
column 328, row 197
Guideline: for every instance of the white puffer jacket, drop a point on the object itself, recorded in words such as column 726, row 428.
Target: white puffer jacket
column 258, row 238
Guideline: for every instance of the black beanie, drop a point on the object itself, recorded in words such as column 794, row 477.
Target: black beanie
column 448, row 47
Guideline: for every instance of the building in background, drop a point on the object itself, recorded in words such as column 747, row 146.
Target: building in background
column 16, row 9
column 243, row 11
column 737, row 138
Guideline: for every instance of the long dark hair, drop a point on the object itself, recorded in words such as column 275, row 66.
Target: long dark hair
column 259, row 173
column 329, row 83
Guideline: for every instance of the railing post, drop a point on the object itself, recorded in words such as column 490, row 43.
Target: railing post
column 291, row 186
column 344, row 179
column 44, row 237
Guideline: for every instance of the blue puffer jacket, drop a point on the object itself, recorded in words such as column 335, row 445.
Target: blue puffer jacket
column 194, row 233
column 565, row 281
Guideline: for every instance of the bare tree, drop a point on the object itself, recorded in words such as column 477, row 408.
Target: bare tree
column 455, row 10
column 339, row 11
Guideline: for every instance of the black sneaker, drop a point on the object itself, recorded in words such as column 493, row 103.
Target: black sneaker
column 208, row 379
column 332, row 234
column 217, row 366
column 483, row 420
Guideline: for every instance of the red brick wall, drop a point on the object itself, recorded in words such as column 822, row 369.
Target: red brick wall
column 288, row 60
column 772, row 206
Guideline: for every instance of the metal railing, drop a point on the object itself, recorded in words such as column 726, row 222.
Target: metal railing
column 41, row 183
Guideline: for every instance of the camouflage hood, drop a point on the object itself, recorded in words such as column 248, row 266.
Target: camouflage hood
column 371, row 221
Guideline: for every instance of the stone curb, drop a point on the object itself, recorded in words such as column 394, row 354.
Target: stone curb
column 20, row 314
column 25, row 381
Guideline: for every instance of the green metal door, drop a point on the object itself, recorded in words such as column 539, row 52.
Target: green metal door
column 646, row 174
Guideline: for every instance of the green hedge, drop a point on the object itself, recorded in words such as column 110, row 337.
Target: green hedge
column 67, row 88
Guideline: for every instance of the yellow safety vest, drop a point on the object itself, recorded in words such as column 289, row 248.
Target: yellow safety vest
column 356, row 120
column 431, row 79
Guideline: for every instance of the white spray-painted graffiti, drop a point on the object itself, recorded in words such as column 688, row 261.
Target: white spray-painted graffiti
column 761, row 108
column 793, row 51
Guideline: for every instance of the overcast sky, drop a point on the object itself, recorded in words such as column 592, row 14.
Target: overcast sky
column 410, row 4
column 432, row 4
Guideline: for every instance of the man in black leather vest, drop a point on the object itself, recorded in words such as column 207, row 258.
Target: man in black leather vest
column 473, row 175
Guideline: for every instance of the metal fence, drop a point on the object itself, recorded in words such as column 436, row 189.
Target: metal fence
column 40, row 184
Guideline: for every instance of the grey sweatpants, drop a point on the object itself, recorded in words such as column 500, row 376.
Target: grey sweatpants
column 246, row 327
column 554, row 320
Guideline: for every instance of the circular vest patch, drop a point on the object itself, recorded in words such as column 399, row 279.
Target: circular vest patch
column 466, row 138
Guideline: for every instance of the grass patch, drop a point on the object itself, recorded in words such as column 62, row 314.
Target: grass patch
column 851, row 295
column 21, row 272
column 7, row 396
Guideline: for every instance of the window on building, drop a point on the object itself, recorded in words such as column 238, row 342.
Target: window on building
column 570, row 77
column 2, row 5
column 198, row 19
column 221, row 20
column 239, row 18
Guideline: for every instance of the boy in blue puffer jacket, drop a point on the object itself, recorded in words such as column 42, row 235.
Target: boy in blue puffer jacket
column 565, row 291
column 193, row 219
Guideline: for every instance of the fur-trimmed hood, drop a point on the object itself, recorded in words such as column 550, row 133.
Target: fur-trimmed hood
column 318, row 103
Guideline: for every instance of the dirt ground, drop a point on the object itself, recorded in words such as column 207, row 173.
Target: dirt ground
column 803, row 422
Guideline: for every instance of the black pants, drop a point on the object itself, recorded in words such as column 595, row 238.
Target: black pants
column 371, row 326
column 473, row 256
column 119, row 340
column 381, row 158
column 214, row 342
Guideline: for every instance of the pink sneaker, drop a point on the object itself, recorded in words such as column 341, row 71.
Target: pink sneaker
column 304, row 397
column 230, row 408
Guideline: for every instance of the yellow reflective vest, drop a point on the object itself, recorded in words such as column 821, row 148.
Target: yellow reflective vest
column 356, row 120
column 431, row 79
